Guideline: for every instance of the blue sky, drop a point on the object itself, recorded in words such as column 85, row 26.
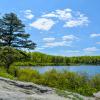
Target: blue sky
column 59, row 27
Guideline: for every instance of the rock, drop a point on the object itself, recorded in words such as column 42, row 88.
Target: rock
column 16, row 90
column 28, row 85
column 97, row 95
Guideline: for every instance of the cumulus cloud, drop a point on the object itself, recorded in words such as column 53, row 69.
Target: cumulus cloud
column 70, row 18
column 90, row 49
column 57, row 44
column 48, row 39
column 94, row 35
column 60, row 14
column 28, row 14
column 97, row 42
column 67, row 16
column 43, row 24
column 69, row 38
column 77, row 22
column 63, row 41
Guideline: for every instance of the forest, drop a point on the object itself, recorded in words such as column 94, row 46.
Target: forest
column 41, row 59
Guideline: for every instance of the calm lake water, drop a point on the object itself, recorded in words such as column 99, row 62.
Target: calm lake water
column 90, row 70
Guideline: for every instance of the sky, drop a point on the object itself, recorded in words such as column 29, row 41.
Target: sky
column 59, row 27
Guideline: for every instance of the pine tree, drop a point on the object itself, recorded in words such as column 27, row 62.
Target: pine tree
column 12, row 39
column 12, row 33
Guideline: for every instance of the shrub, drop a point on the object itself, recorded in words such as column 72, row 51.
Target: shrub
column 95, row 81
column 28, row 75
column 13, row 70
column 3, row 73
column 71, row 81
column 86, row 90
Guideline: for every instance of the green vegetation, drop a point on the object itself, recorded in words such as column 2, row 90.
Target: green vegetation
column 65, row 81
column 12, row 39
column 3, row 73
column 40, row 59
column 62, row 80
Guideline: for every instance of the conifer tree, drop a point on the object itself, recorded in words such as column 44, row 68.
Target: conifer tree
column 12, row 39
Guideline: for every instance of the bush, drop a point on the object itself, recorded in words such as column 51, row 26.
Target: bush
column 3, row 73
column 71, row 81
column 6, row 75
column 28, row 75
column 29, row 63
column 13, row 70
column 86, row 90
column 95, row 81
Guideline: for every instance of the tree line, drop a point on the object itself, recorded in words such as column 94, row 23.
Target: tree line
column 37, row 58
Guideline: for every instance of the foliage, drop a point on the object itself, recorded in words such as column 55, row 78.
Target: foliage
column 3, row 73
column 13, row 70
column 8, row 55
column 28, row 75
column 12, row 32
column 69, row 81
column 12, row 39
column 40, row 59
column 96, row 82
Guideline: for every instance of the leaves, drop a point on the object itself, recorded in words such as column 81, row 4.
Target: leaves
column 12, row 33
column 8, row 55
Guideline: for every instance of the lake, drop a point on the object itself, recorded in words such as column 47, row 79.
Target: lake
column 90, row 70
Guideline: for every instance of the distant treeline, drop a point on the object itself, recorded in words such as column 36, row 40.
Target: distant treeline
column 37, row 58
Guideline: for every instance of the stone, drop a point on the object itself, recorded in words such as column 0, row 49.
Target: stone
column 97, row 95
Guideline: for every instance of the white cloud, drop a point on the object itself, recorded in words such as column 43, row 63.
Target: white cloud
column 70, row 18
column 75, row 23
column 97, row 42
column 90, row 49
column 28, row 14
column 67, row 16
column 94, row 35
column 64, row 14
column 48, row 39
column 69, row 38
column 57, row 44
column 50, row 15
column 43, row 24
column 60, row 14
column 81, row 20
